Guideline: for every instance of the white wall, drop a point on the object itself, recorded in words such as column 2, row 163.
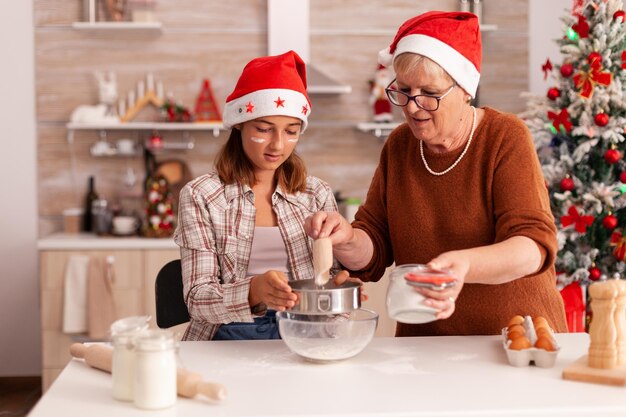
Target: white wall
column 20, row 352
column 544, row 26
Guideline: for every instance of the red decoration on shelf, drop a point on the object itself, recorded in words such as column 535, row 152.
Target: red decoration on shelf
column 618, row 14
column 612, row 156
column 567, row 70
column 580, row 222
column 609, row 222
column 560, row 119
column 176, row 112
column 155, row 141
column 582, row 27
column 594, row 273
column 554, row 93
column 546, row 68
column 601, row 119
column 567, row 184
column 206, row 107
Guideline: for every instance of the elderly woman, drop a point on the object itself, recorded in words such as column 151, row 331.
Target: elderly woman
column 240, row 230
column 457, row 187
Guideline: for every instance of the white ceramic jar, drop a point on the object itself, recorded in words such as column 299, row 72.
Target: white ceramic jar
column 155, row 370
column 123, row 333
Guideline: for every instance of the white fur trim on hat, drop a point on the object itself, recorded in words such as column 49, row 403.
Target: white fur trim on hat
column 269, row 102
column 456, row 64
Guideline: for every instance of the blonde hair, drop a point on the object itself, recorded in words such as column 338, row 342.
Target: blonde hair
column 232, row 165
column 409, row 62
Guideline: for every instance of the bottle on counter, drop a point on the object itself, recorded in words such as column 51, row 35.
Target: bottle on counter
column 89, row 199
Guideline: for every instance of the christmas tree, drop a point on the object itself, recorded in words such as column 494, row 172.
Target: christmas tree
column 159, row 208
column 579, row 132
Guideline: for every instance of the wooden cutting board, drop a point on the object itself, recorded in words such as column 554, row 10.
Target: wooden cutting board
column 580, row 371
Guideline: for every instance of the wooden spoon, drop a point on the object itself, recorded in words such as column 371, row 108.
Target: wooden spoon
column 322, row 260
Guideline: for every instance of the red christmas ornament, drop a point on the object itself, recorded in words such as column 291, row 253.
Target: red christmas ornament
column 594, row 273
column 594, row 58
column 619, row 13
column 601, row 119
column 612, row 156
column 567, row 70
column 567, row 184
column 554, row 93
column 622, row 177
column 609, row 222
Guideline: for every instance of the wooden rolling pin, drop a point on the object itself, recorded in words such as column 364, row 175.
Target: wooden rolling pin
column 188, row 384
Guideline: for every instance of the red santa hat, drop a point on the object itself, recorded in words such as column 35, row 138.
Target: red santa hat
column 269, row 86
column 451, row 39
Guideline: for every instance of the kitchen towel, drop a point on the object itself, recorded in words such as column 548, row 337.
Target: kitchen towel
column 101, row 311
column 75, row 294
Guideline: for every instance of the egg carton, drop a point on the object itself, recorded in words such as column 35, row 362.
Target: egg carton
column 524, row 357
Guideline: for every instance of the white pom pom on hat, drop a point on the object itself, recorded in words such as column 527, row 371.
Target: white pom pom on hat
column 269, row 86
column 451, row 39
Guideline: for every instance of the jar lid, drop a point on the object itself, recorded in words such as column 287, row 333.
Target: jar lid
column 154, row 340
column 130, row 325
column 419, row 275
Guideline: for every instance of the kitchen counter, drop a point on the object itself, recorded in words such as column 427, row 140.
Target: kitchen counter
column 90, row 241
column 429, row 376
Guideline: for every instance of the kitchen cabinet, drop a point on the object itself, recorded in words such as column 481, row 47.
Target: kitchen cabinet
column 135, row 266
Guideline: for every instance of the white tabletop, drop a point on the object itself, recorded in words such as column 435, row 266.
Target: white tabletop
column 428, row 376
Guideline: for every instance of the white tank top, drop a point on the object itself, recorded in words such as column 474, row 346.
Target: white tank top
column 268, row 252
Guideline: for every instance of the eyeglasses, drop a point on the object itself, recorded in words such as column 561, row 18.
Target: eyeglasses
column 423, row 101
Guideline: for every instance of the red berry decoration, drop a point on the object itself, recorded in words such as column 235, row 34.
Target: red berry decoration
column 567, row 184
column 554, row 93
column 619, row 13
column 601, row 119
column 612, row 156
column 622, row 177
column 594, row 273
column 567, row 70
column 609, row 222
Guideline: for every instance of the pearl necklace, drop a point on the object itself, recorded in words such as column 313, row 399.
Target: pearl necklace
column 460, row 156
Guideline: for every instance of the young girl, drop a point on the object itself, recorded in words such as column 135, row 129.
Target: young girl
column 240, row 231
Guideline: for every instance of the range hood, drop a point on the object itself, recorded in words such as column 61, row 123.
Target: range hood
column 288, row 29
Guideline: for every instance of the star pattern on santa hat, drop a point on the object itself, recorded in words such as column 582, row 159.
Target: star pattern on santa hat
column 279, row 102
column 305, row 109
column 249, row 107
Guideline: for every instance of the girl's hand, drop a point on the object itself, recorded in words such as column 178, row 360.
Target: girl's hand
column 272, row 289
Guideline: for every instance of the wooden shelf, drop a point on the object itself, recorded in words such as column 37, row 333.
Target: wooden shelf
column 380, row 130
column 216, row 127
column 153, row 27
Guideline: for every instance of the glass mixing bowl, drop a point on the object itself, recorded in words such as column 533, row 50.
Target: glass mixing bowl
column 325, row 338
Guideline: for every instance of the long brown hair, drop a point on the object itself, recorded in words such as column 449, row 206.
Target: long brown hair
column 232, row 165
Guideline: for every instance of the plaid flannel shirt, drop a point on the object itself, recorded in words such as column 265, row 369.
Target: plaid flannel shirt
column 215, row 230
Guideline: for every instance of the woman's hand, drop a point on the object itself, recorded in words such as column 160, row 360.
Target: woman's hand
column 344, row 276
column 444, row 300
column 272, row 289
column 329, row 224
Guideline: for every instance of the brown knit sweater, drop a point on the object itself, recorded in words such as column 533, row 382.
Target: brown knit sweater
column 496, row 191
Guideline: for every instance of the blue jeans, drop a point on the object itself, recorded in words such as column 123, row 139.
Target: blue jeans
column 263, row 328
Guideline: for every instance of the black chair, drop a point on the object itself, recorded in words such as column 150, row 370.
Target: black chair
column 170, row 303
